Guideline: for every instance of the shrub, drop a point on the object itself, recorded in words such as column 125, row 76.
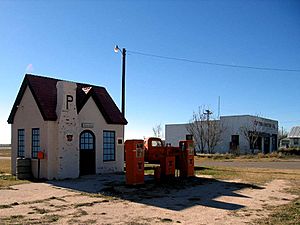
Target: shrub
column 290, row 151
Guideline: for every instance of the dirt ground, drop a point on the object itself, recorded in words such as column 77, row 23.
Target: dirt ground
column 104, row 199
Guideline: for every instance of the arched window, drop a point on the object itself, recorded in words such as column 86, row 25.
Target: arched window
column 87, row 140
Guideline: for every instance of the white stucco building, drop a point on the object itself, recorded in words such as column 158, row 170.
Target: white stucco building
column 77, row 126
column 232, row 137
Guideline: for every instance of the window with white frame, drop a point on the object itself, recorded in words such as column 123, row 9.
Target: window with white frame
column 109, row 145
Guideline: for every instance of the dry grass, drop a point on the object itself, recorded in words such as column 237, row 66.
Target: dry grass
column 5, row 153
column 272, row 157
column 21, row 219
column 288, row 214
column 249, row 175
column 6, row 179
column 5, row 167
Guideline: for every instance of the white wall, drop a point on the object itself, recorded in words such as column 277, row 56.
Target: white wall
column 232, row 126
column 68, row 124
column 28, row 116
column 91, row 114
column 175, row 133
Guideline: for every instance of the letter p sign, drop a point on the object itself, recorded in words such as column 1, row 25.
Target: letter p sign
column 69, row 100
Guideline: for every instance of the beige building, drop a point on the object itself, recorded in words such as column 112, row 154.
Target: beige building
column 77, row 126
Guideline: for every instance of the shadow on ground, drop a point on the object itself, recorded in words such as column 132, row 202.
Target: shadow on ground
column 175, row 194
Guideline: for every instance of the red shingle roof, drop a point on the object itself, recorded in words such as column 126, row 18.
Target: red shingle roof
column 45, row 94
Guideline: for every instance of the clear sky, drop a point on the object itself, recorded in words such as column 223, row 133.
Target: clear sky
column 74, row 40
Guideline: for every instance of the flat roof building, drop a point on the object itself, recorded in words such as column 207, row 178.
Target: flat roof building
column 233, row 136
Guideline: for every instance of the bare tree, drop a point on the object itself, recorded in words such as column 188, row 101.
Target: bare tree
column 213, row 137
column 283, row 133
column 251, row 132
column 158, row 131
column 196, row 128
column 206, row 132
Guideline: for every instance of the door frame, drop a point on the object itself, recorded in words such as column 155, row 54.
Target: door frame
column 87, row 150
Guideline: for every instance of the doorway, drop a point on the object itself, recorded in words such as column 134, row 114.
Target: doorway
column 266, row 145
column 87, row 159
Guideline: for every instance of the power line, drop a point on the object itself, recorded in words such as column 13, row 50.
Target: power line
column 214, row 64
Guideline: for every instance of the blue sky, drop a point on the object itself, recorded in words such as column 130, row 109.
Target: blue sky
column 74, row 40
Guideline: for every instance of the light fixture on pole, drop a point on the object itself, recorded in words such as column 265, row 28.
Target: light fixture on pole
column 123, row 51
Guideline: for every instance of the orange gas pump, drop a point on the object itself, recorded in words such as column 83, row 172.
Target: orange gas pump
column 167, row 164
column 186, row 158
column 134, row 153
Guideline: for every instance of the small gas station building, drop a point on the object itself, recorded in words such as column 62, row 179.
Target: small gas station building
column 78, row 128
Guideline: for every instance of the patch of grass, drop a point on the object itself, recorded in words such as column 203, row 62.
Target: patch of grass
column 41, row 211
column 5, row 166
column 218, row 173
column 106, row 198
column 285, row 214
column 15, row 219
column 274, row 156
column 250, row 175
column 288, row 214
column 6, row 179
column 8, row 205
column 50, row 218
column 57, row 198
column 5, row 206
column 79, row 213
column 84, row 204
column 149, row 171
column 21, row 219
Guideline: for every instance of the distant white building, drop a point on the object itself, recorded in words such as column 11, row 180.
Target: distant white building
column 232, row 137
column 293, row 138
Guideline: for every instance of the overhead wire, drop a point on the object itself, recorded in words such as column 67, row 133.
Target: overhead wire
column 213, row 63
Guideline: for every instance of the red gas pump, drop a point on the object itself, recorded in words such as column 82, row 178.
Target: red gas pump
column 186, row 158
column 167, row 164
column 134, row 153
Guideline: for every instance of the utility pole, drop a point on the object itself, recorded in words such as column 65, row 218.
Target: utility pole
column 123, row 52
column 219, row 107
column 208, row 113
column 123, row 80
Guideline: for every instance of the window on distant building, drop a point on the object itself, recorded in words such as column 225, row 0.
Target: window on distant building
column 109, row 145
column 21, row 143
column 296, row 141
column 35, row 142
column 189, row 137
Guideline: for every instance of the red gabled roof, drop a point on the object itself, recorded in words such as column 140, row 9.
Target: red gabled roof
column 45, row 94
